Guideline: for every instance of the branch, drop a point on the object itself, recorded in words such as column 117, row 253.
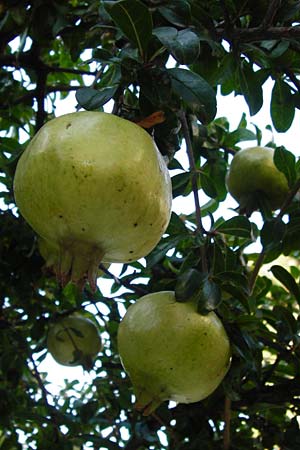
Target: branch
column 29, row 61
column 31, row 94
column 138, row 290
column 44, row 396
column 289, row 198
column 194, row 180
column 40, row 93
column 273, row 7
column 259, row 262
column 258, row 34
column 293, row 78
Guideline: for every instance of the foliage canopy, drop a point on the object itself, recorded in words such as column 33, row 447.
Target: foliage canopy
column 227, row 45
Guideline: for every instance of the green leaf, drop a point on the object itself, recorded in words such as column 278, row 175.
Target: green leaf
column 250, row 85
column 92, row 99
column 272, row 234
column 134, row 19
column 287, row 280
column 209, row 296
column 188, row 285
column 212, row 178
column 282, row 106
column 180, row 183
column 208, row 185
column 177, row 12
column 239, row 135
column 184, row 45
column 176, row 225
column 236, row 226
column 285, row 161
column 195, row 92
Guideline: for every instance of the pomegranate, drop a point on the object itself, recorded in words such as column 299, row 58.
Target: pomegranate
column 74, row 340
column 171, row 352
column 95, row 187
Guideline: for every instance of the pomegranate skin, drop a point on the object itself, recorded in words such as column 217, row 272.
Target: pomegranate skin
column 96, row 187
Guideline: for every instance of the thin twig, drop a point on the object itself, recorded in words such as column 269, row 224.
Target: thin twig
column 194, row 181
column 40, row 94
column 289, row 198
column 227, row 419
column 128, row 285
column 246, row 35
column 273, row 7
column 45, row 399
column 293, row 78
column 255, row 271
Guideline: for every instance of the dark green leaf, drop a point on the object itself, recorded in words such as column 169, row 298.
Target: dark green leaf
column 162, row 248
column 103, row 55
column 177, row 12
column 272, row 234
column 195, row 92
column 282, row 106
column 287, row 280
column 176, row 225
column 251, row 88
column 92, row 99
column 208, row 185
column 285, row 161
column 134, row 19
column 212, row 178
column 180, row 183
column 188, row 285
column 237, row 226
column 209, row 296
column 239, row 135
column 184, row 45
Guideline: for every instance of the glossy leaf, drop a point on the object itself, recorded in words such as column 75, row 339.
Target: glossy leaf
column 272, row 234
column 177, row 12
column 184, row 45
column 195, row 92
column 287, row 280
column 92, row 99
column 282, row 106
column 237, row 226
column 209, row 296
column 285, row 162
column 134, row 19
column 188, row 285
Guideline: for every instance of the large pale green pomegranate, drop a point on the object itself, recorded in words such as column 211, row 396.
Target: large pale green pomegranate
column 95, row 187
column 171, row 352
column 252, row 173
column 74, row 340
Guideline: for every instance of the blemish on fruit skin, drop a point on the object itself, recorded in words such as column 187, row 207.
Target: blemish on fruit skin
column 68, row 125
column 135, row 224
column 130, row 251
column 60, row 216
column 82, row 229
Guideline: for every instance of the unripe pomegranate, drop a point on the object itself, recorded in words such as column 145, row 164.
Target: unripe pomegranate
column 96, row 187
column 74, row 340
column 253, row 174
column 171, row 352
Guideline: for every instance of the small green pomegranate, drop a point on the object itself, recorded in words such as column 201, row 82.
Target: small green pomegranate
column 95, row 187
column 74, row 340
column 171, row 352
column 252, row 173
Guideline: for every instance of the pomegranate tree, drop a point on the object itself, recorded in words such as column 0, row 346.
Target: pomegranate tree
column 95, row 187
